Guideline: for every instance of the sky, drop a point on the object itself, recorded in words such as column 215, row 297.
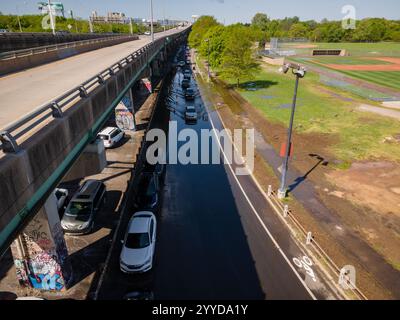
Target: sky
column 226, row 11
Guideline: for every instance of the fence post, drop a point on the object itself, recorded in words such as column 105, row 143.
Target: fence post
column 269, row 191
column 309, row 238
column 285, row 211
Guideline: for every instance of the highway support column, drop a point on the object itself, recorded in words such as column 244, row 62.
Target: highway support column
column 40, row 253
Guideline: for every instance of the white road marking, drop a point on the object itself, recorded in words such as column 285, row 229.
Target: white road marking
column 258, row 216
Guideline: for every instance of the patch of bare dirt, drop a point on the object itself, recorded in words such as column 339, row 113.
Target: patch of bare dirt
column 372, row 184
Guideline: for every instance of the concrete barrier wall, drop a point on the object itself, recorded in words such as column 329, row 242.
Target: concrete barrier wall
column 16, row 41
column 30, row 61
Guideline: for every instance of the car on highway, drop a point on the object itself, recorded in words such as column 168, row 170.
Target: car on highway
column 81, row 211
column 111, row 136
column 148, row 188
column 190, row 113
column 189, row 94
column 139, row 243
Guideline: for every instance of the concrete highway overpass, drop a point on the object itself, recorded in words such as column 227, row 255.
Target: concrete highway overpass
column 49, row 114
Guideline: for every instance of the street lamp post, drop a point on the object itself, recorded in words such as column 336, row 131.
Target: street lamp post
column 53, row 27
column 299, row 72
column 151, row 22
column 208, row 58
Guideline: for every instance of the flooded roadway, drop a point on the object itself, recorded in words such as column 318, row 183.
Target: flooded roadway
column 212, row 239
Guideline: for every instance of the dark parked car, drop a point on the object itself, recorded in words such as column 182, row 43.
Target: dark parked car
column 81, row 211
column 189, row 94
column 147, row 197
column 185, row 83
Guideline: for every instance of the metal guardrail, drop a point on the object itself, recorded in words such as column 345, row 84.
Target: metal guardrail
column 311, row 242
column 54, row 47
column 14, row 131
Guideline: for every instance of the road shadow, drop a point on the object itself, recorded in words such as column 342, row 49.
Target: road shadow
column 88, row 260
column 300, row 180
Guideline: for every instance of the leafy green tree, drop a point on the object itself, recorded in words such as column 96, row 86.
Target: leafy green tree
column 238, row 60
column 260, row 21
column 299, row 30
column 200, row 28
column 215, row 45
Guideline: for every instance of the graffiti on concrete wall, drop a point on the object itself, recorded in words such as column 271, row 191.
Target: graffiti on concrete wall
column 40, row 254
column 45, row 272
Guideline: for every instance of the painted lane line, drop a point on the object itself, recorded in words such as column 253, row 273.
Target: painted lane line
column 257, row 214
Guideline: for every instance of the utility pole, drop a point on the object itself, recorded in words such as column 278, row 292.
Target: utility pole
column 72, row 17
column 208, row 58
column 53, row 26
column 90, row 25
column 151, row 23
column 19, row 21
column 130, row 26
column 299, row 72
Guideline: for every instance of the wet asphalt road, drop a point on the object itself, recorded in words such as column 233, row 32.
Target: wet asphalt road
column 211, row 244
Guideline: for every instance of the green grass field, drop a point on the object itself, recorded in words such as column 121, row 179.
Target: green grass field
column 385, row 78
column 360, row 133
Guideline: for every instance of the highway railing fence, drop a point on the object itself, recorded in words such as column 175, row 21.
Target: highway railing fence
column 55, row 108
column 54, row 47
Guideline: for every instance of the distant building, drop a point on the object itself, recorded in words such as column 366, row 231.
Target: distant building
column 111, row 17
column 57, row 8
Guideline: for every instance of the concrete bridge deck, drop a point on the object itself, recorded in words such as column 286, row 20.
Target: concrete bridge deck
column 23, row 92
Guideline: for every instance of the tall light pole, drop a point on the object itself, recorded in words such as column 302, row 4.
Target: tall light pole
column 208, row 58
column 151, row 23
column 53, row 27
column 299, row 72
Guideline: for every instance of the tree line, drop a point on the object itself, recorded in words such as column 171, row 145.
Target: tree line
column 33, row 23
column 367, row 30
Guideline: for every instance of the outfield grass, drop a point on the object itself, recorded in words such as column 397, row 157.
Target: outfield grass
column 360, row 133
column 384, row 78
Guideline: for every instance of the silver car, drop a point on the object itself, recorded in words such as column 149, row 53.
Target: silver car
column 81, row 211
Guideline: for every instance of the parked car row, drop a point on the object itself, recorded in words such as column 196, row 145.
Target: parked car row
column 138, row 247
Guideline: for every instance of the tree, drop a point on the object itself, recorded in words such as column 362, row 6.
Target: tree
column 200, row 28
column 260, row 21
column 299, row 30
column 238, row 60
column 216, row 45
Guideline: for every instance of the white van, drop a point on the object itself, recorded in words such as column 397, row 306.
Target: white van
column 111, row 136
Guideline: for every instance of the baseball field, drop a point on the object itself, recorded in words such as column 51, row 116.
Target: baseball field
column 377, row 63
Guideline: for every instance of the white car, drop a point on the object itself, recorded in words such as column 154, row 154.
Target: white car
column 190, row 113
column 111, row 136
column 139, row 243
column 147, row 33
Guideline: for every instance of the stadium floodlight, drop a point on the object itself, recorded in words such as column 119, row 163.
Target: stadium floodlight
column 300, row 72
